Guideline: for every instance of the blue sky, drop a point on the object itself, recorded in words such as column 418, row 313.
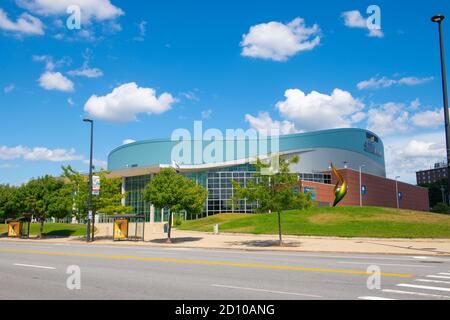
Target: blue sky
column 297, row 65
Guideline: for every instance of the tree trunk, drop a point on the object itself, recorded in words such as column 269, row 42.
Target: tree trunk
column 279, row 228
column 169, row 240
column 41, row 229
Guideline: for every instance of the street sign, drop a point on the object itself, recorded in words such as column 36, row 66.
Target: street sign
column 363, row 190
column 95, row 185
column 14, row 229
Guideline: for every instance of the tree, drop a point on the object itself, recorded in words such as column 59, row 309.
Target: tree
column 108, row 201
column 274, row 192
column 172, row 191
column 435, row 192
column 38, row 197
column 9, row 202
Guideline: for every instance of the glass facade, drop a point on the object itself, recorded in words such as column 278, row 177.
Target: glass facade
column 134, row 187
column 219, row 186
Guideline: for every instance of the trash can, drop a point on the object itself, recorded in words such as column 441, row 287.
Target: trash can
column 166, row 228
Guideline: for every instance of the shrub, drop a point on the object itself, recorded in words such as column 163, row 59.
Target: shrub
column 440, row 207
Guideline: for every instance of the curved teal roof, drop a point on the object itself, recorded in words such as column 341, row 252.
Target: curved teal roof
column 158, row 151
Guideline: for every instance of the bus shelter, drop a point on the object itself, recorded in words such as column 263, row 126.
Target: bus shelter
column 128, row 227
column 19, row 227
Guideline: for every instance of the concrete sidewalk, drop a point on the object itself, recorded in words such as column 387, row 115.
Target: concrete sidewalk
column 193, row 239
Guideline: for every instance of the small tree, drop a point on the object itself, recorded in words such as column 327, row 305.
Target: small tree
column 169, row 190
column 273, row 192
column 39, row 194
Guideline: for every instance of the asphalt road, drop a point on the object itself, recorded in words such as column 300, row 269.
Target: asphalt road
column 39, row 271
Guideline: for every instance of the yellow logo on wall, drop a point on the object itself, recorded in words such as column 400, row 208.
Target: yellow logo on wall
column 120, row 228
column 14, row 229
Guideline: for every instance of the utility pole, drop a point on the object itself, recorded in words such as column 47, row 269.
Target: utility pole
column 438, row 19
column 88, row 227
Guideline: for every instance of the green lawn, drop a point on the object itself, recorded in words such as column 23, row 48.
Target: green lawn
column 53, row 229
column 339, row 221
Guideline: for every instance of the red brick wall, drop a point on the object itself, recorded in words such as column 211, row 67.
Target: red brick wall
column 380, row 192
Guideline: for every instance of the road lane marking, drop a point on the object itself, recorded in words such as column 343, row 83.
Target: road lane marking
column 374, row 298
column 33, row 266
column 439, row 277
column 423, row 287
column 203, row 262
column 384, row 264
column 433, row 281
column 264, row 290
column 416, row 293
column 444, row 273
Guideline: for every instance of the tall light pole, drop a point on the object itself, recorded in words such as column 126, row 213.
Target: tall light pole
column 438, row 19
column 360, row 185
column 88, row 229
column 396, row 191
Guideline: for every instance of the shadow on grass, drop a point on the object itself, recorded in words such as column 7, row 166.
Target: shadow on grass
column 60, row 233
column 265, row 243
column 177, row 240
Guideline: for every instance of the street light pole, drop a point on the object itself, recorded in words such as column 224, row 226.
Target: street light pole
column 360, row 186
column 396, row 191
column 439, row 18
column 88, row 229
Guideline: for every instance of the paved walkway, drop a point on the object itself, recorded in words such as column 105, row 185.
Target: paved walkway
column 193, row 239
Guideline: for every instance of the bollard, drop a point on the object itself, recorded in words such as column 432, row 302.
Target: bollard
column 216, row 229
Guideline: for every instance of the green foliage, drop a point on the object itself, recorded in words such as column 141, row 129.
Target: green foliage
column 434, row 191
column 169, row 190
column 9, row 202
column 441, row 207
column 109, row 199
column 273, row 192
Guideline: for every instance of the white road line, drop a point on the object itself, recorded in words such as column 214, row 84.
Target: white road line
column 439, row 277
column 423, row 287
column 444, row 273
column 416, row 294
column 385, row 264
column 269, row 291
column 374, row 298
column 433, row 281
column 33, row 266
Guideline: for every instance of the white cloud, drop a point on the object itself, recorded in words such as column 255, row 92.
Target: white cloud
column 55, row 81
column 407, row 154
column 429, row 118
column 126, row 101
column 87, row 72
column 263, row 122
column 415, row 104
column 142, row 31
column 50, row 64
column 384, row 82
column 9, row 88
column 8, row 166
column 98, row 164
column 354, row 19
column 26, row 24
column 90, row 9
column 70, row 102
column 38, row 154
column 388, row 118
column 315, row 111
column 278, row 41
column 206, row 114
column 128, row 141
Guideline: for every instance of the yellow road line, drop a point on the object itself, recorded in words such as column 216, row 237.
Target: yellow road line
column 201, row 262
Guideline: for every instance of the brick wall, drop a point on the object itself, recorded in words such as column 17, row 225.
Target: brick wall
column 380, row 192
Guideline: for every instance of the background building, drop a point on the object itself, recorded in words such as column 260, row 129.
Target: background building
column 432, row 175
column 347, row 149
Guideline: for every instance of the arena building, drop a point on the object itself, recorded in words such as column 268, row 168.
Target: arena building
column 349, row 149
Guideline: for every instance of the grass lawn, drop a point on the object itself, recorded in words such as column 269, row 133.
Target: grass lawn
column 53, row 229
column 339, row 221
